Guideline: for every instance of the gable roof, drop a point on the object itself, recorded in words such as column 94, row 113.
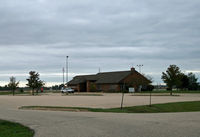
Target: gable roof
column 101, row 78
column 111, row 77
column 105, row 77
column 82, row 79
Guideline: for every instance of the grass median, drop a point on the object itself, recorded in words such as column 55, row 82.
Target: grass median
column 10, row 129
column 155, row 108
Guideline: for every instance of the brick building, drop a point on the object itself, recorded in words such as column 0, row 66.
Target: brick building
column 109, row 81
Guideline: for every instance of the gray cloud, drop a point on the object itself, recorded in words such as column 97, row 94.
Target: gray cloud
column 113, row 35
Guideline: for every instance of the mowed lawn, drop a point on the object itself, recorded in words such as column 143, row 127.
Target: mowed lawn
column 16, row 93
column 155, row 108
column 174, row 91
column 10, row 129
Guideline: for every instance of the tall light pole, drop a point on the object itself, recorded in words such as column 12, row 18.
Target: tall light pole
column 140, row 66
column 63, row 76
column 67, row 69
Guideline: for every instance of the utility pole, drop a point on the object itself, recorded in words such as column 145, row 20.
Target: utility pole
column 67, row 69
column 140, row 66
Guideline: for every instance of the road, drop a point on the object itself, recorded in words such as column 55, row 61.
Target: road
column 88, row 124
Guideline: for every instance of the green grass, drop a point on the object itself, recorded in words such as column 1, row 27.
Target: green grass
column 10, row 93
column 5, row 93
column 155, row 108
column 154, row 94
column 10, row 129
column 174, row 91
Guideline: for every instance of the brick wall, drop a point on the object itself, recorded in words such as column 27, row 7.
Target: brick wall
column 108, row 87
column 135, row 80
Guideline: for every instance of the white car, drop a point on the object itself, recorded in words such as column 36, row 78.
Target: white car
column 67, row 90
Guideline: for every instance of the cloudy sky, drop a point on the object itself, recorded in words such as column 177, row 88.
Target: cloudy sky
column 108, row 34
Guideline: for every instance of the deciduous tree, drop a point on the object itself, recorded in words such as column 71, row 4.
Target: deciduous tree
column 184, row 81
column 193, row 84
column 34, row 81
column 172, row 77
column 39, row 85
column 13, row 85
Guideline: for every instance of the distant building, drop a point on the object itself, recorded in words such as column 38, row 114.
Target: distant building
column 109, row 81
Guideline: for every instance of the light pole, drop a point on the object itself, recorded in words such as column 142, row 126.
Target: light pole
column 67, row 69
column 63, row 76
column 140, row 66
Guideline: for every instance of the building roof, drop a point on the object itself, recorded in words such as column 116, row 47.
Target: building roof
column 82, row 79
column 111, row 77
column 102, row 78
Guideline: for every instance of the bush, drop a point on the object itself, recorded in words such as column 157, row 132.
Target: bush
column 169, row 89
column 92, row 87
column 147, row 88
column 22, row 90
column 150, row 87
column 193, row 86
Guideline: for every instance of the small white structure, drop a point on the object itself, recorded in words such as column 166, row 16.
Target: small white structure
column 131, row 90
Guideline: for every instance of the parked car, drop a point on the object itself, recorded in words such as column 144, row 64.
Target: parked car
column 67, row 90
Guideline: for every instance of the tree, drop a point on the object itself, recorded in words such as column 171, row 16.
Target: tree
column 39, row 84
column 184, row 84
column 34, row 81
column 172, row 77
column 13, row 85
column 193, row 85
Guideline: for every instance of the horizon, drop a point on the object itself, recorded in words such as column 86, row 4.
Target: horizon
column 71, row 75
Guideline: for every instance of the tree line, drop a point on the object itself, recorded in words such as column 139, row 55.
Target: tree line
column 34, row 83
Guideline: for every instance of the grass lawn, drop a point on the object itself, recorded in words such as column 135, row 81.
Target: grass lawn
column 154, row 94
column 10, row 93
column 174, row 91
column 155, row 108
column 10, row 129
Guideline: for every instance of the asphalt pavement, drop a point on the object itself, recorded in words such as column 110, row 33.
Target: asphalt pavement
column 91, row 124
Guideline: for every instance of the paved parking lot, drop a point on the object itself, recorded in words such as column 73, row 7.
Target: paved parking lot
column 105, row 101
column 88, row 124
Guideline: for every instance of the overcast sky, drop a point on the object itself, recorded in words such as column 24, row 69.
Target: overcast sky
column 111, row 34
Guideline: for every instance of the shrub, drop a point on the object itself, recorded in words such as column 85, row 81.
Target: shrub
column 147, row 88
column 22, row 90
